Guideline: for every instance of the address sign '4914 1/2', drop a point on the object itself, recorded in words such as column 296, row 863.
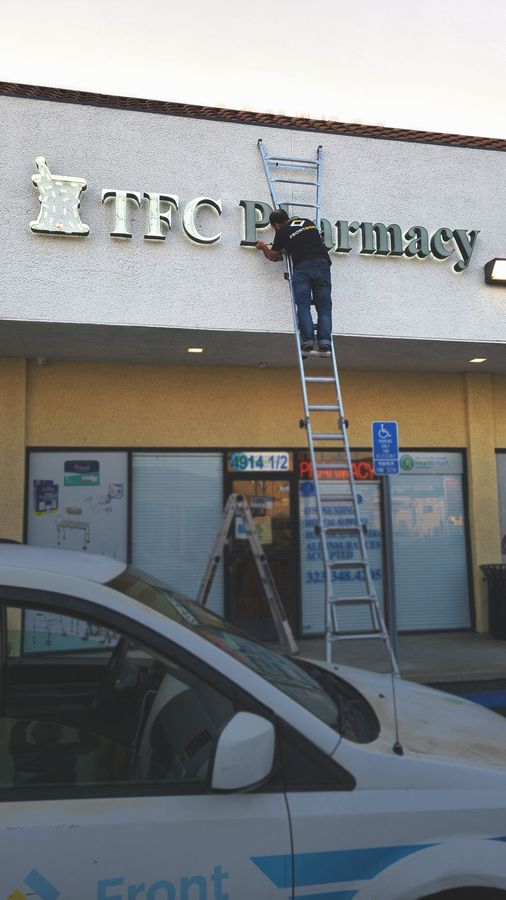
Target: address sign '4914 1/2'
column 60, row 200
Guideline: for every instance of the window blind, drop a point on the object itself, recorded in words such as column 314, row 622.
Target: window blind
column 501, row 484
column 177, row 503
column 431, row 575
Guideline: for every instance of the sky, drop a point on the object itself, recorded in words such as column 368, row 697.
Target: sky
column 430, row 65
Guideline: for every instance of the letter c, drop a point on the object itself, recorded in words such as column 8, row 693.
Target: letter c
column 189, row 216
column 439, row 251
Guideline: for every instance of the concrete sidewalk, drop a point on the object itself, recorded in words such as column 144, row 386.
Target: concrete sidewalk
column 430, row 658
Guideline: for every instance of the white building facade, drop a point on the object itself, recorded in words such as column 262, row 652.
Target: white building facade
column 120, row 441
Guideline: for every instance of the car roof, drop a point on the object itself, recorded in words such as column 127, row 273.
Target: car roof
column 91, row 567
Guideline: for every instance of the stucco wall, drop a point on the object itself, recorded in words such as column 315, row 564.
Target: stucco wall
column 178, row 284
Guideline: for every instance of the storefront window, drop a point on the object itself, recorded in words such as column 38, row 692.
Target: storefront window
column 177, row 504
column 429, row 541
column 431, row 571
column 501, row 484
column 78, row 500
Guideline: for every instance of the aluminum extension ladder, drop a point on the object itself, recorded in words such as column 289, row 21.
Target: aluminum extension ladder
column 305, row 177
column 237, row 506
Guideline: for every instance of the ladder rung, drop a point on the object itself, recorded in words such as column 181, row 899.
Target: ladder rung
column 329, row 498
column 351, row 601
column 319, row 379
column 343, row 529
column 293, row 203
column 322, row 407
column 293, row 160
column 323, row 436
column 294, row 181
column 347, row 564
column 343, row 498
column 331, row 465
column 311, row 167
column 350, row 635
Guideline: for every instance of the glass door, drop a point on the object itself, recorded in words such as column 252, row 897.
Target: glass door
column 270, row 503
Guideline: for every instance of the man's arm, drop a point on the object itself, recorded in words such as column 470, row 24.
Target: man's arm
column 273, row 255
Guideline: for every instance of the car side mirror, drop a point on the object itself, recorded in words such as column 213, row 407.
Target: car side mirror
column 244, row 753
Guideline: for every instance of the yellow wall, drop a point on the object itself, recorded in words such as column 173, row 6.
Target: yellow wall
column 86, row 404
column 12, row 446
column 482, row 482
column 499, row 407
column 78, row 404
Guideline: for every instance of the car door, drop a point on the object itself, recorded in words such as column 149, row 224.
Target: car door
column 106, row 749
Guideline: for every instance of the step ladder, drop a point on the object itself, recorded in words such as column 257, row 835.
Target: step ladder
column 237, row 507
column 347, row 615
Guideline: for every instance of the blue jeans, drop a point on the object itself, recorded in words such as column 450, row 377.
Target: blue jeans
column 311, row 284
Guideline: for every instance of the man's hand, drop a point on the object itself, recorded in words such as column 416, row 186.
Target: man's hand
column 273, row 255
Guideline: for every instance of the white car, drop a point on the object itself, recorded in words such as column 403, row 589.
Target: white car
column 151, row 751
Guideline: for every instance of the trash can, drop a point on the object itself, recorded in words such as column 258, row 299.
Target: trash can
column 495, row 576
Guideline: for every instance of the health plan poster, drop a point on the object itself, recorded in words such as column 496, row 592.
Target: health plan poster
column 345, row 582
column 78, row 501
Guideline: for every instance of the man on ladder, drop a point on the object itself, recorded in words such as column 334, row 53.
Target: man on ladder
column 311, row 263
column 352, row 609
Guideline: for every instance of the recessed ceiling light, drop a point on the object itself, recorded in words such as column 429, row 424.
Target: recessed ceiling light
column 478, row 359
column 195, row 350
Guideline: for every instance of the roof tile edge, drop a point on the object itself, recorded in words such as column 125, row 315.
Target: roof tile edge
column 162, row 107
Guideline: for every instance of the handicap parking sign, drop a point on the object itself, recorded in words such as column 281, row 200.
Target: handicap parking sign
column 385, row 448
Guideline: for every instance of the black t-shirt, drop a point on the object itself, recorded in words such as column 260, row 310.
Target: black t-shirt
column 301, row 239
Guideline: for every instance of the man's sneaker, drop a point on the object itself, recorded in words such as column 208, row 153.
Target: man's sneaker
column 306, row 348
column 324, row 348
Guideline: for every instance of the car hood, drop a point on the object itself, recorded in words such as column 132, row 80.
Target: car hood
column 431, row 722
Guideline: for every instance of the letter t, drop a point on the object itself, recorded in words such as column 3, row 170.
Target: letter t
column 120, row 211
column 218, row 877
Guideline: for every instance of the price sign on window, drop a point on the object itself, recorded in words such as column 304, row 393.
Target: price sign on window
column 260, row 461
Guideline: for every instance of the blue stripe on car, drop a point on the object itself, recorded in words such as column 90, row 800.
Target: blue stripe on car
column 334, row 895
column 41, row 886
column 333, row 866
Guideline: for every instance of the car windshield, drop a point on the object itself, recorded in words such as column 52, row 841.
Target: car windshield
column 279, row 670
